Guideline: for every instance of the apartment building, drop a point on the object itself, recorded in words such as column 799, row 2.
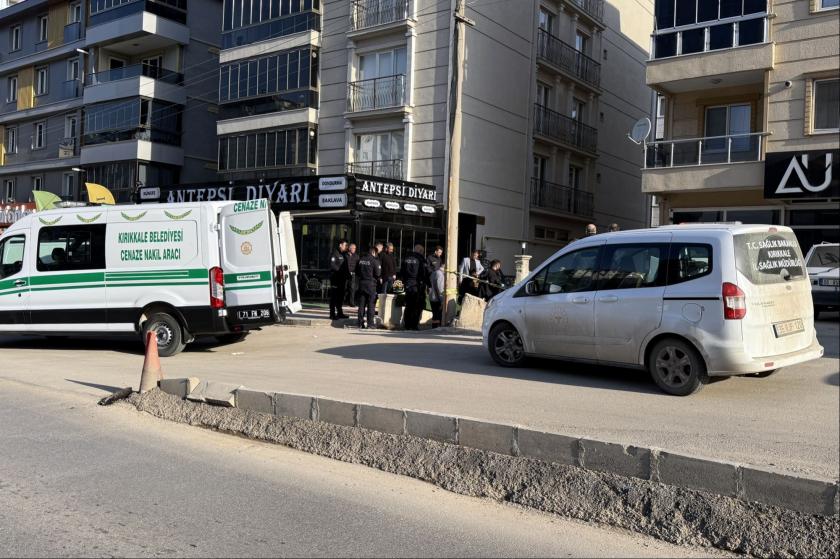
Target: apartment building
column 748, row 114
column 102, row 91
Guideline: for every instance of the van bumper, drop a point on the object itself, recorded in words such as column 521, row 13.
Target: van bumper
column 739, row 363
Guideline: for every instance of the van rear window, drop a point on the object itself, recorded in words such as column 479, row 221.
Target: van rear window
column 772, row 257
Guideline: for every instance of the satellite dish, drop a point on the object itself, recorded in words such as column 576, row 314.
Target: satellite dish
column 640, row 131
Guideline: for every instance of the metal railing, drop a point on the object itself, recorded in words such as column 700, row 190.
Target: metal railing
column 370, row 13
column 554, row 196
column 378, row 93
column 568, row 58
column 70, row 89
column 386, row 168
column 712, row 150
column 73, row 31
column 727, row 33
column 67, row 148
column 133, row 71
column 554, row 125
column 595, row 8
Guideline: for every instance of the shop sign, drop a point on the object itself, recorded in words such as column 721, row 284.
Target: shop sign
column 402, row 190
column 332, row 200
column 809, row 174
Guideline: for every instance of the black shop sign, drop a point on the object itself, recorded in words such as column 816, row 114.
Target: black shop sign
column 807, row 174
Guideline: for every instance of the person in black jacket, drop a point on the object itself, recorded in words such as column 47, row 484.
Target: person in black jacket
column 368, row 271
column 435, row 260
column 352, row 257
column 389, row 268
column 494, row 281
column 339, row 273
column 415, row 277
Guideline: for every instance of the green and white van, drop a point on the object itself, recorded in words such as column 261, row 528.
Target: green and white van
column 180, row 270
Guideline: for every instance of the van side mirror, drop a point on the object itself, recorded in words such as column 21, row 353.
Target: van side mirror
column 531, row 288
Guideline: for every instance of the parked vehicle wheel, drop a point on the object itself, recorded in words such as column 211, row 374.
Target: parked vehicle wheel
column 170, row 335
column 506, row 345
column 227, row 339
column 677, row 368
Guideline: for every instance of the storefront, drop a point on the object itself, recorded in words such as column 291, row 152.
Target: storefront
column 325, row 209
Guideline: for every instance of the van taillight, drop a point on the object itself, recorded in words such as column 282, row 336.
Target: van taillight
column 734, row 302
column 217, row 288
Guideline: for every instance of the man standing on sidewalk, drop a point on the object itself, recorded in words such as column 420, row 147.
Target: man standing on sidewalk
column 368, row 271
column 415, row 277
column 389, row 268
column 338, row 280
column 352, row 280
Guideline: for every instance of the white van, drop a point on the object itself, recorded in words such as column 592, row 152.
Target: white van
column 685, row 301
column 181, row 270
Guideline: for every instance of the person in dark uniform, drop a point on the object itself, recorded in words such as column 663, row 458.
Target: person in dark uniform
column 339, row 273
column 415, row 277
column 435, row 260
column 351, row 298
column 368, row 271
column 389, row 268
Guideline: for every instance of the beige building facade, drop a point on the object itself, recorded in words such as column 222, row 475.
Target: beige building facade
column 746, row 127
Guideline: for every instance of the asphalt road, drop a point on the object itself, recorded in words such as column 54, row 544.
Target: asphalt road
column 80, row 480
column 790, row 421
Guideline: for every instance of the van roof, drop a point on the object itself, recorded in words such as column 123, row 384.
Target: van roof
column 715, row 228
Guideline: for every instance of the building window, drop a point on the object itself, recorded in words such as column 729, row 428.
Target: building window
column 68, row 186
column 11, row 140
column 294, row 72
column 294, row 147
column 14, row 35
column 258, row 18
column 43, row 28
column 828, row 4
column 575, row 174
column 826, row 105
column 381, row 64
column 75, row 12
column 13, row 89
column 37, row 183
column 661, row 110
column 550, row 234
column 41, row 80
column 73, row 69
column 578, row 110
column 544, row 95
column 546, row 22
column 71, row 126
column 540, row 168
column 134, row 119
column 379, row 154
column 582, row 42
column 39, row 136
column 9, row 190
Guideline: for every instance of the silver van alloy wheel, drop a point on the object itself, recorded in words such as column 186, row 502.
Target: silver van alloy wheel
column 508, row 345
column 674, row 366
column 163, row 333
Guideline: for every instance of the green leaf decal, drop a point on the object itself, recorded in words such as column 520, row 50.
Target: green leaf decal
column 88, row 219
column 253, row 229
column 49, row 222
column 176, row 217
column 134, row 218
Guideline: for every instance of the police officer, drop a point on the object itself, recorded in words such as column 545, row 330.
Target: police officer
column 339, row 273
column 368, row 270
column 415, row 277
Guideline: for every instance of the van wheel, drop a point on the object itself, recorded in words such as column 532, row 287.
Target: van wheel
column 170, row 335
column 677, row 368
column 227, row 339
column 506, row 345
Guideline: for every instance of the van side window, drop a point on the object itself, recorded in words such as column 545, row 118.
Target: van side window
column 688, row 262
column 74, row 247
column 570, row 273
column 633, row 266
column 11, row 256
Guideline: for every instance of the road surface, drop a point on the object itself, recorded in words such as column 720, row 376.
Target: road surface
column 77, row 479
column 790, row 421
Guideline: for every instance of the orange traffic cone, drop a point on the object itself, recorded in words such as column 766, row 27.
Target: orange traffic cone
column 152, row 372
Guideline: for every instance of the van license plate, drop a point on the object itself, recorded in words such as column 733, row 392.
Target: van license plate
column 830, row 282
column 789, row 327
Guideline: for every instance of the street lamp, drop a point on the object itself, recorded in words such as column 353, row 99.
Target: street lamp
column 524, row 246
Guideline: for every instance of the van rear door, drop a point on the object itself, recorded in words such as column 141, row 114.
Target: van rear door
column 772, row 275
column 247, row 257
column 288, row 289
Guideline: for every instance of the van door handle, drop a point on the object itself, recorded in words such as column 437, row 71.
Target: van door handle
column 608, row 299
column 580, row 300
column 20, row 283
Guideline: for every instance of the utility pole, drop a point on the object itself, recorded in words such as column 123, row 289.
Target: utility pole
column 453, row 197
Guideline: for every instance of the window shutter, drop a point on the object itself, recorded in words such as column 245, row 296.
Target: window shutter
column 57, row 18
column 26, row 91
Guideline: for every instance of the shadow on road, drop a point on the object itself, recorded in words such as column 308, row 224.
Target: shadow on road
column 104, row 387
column 833, row 380
column 473, row 360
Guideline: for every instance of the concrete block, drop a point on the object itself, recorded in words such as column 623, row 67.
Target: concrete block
column 430, row 426
column 293, row 405
column 549, row 447
column 811, row 496
column 254, row 400
column 338, row 413
column 695, row 473
column 472, row 313
column 385, row 420
column 613, row 458
column 389, row 312
column 494, row 437
column 180, row 387
column 217, row 393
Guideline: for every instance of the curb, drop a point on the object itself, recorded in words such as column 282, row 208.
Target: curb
column 747, row 483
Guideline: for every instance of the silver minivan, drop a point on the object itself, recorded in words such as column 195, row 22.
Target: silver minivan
column 686, row 302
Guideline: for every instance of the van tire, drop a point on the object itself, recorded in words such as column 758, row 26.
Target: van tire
column 506, row 346
column 227, row 339
column 677, row 368
column 170, row 334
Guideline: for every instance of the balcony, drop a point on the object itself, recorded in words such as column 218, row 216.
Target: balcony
column 72, row 32
column 105, row 11
column 558, row 127
column 568, row 59
column 592, row 8
column 557, row 197
column 376, row 94
column 67, row 148
column 134, row 71
column 151, row 24
column 711, row 163
column 137, row 79
column 387, row 168
column 271, row 29
column 71, row 89
column 366, row 14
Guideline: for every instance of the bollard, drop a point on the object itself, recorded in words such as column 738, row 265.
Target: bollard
column 152, row 372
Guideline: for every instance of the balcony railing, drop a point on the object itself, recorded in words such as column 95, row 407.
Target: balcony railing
column 553, row 196
column 387, row 168
column 568, row 58
column 554, row 125
column 728, row 33
column 67, row 148
column 133, row 71
column 595, row 8
column 378, row 93
column 144, row 133
column 70, row 89
column 712, row 150
column 104, row 11
column 72, row 31
column 370, row 13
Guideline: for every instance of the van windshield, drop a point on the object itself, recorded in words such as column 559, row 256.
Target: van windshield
column 825, row 257
column 772, row 257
